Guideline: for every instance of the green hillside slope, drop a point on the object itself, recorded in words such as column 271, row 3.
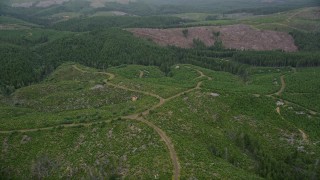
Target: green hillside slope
column 132, row 121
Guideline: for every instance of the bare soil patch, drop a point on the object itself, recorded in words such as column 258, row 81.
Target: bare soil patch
column 23, row 5
column 25, row 139
column 304, row 135
column 101, row 3
column 97, row 3
column 240, row 36
column 141, row 74
column 49, row 3
column 41, row 4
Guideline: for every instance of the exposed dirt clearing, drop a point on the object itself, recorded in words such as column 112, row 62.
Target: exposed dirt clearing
column 304, row 136
column 49, row 3
column 175, row 36
column 97, row 3
column 141, row 74
column 233, row 36
column 278, row 110
column 23, row 5
column 102, row 3
column 40, row 4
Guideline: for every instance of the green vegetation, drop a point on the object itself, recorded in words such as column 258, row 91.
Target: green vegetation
column 275, row 58
column 94, row 151
column 153, row 80
column 303, row 88
column 46, row 50
column 14, row 72
column 307, row 41
column 240, row 129
column 69, row 96
column 102, row 22
column 227, row 119
column 81, row 97
column 192, row 16
column 11, row 20
column 185, row 33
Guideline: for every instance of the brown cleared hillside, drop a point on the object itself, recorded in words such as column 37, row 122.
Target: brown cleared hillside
column 233, row 36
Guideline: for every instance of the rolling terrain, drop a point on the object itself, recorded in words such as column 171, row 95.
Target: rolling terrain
column 163, row 124
column 123, row 89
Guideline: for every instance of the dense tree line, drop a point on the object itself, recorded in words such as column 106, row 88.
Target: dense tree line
column 211, row 60
column 19, row 67
column 295, row 165
column 100, row 49
column 100, row 22
column 24, row 40
column 112, row 47
column 278, row 59
column 208, row 52
column 307, row 41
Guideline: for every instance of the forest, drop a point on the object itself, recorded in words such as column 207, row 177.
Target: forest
column 306, row 41
column 98, row 23
column 113, row 47
column 83, row 97
column 278, row 59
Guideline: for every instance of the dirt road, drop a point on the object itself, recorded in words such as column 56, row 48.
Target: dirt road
column 137, row 116
column 283, row 86
column 162, row 101
column 304, row 136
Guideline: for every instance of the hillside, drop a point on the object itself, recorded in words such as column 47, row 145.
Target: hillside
column 150, row 89
column 100, row 115
column 240, row 37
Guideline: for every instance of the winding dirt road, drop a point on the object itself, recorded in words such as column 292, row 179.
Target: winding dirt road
column 162, row 134
column 137, row 116
column 283, row 86
column 280, row 91
column 162, row 101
